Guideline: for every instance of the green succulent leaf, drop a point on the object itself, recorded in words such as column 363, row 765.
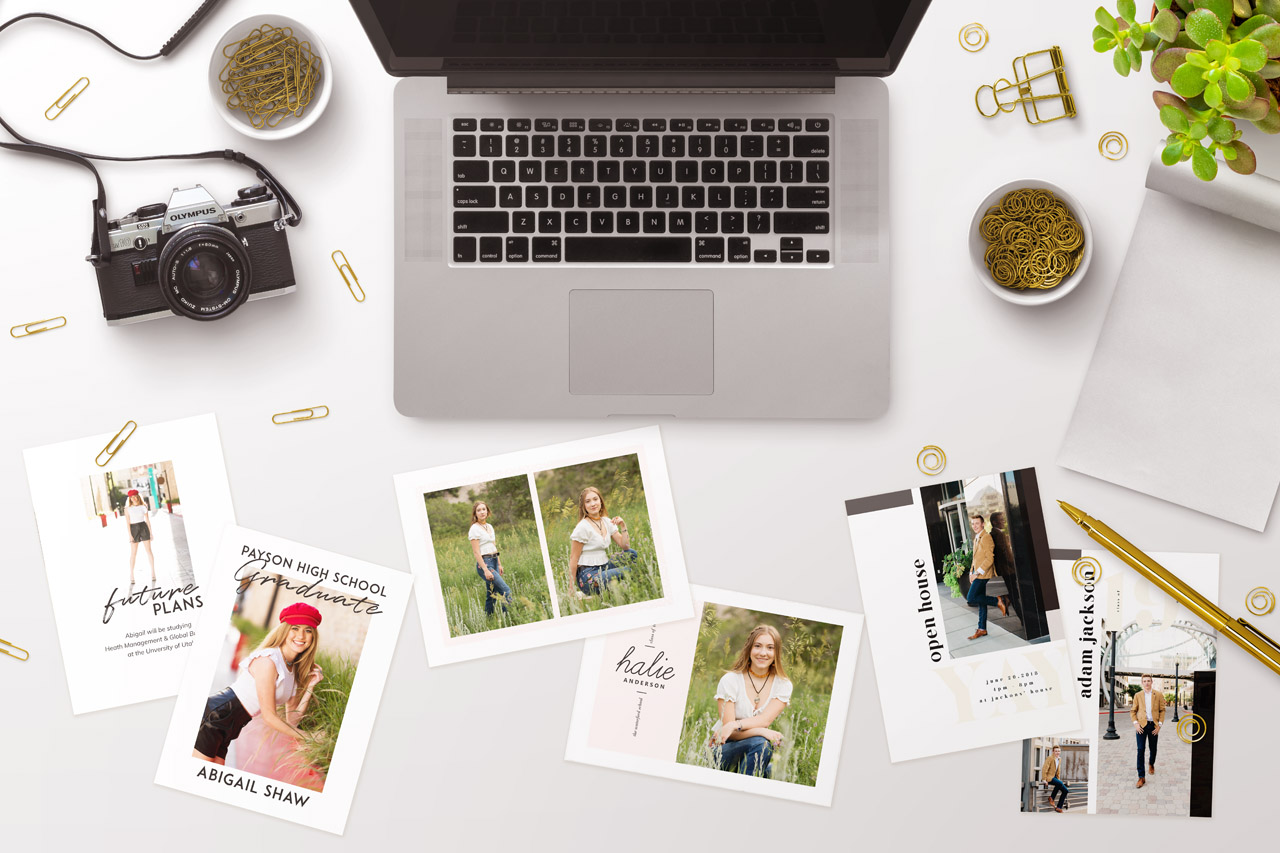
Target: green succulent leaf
column 1270, row 71
column 1213, row 95
column 1197, row 104
column 1217, row 51
column 1166, row 25
column 1251, row 110
column 1270, row 123
column 1252, row 54
column 1174, row 119
column 1270, row 8
column 1188, row 81
column 1168, row 61
column 1269, row 35
column 1249, row 25
column 1186, row 6
column 1203, row 27
column 1221, row 9
column 1104, row 44
column 1106, row 20
column 1172, row 153
column 1200, row 59
column 1198, row 131
column 1245, row 161
column 1204, row 164
column 1121, row 61
column 1168, row 99
column 1128, row 10
column 1163, row 5
column 1242, row 8
column 1238, row 88
column 1135, row 56
column 1100, row 33
column 1222, row 130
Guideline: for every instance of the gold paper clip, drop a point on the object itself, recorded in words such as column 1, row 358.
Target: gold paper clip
column 26, row 654
column 113, row 446
column 1022, row 84
column 314, row 413
column 63, row 101
column 26, row 330
column 353, row 283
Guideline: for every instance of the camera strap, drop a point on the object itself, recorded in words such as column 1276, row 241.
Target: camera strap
column 100, row 250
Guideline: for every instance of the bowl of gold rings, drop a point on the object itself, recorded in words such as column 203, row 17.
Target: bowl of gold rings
column 270, row 77
column 1030, row 242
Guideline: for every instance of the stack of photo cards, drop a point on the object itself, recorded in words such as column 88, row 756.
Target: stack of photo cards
column 750, row 694
column 127, row 547
column 543, row 546
column 1095, row 769
column 316, row 628
column 962, row 614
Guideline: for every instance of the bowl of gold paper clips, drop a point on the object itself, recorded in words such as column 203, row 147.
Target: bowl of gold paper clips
column 270, row 77
column 1030, row 242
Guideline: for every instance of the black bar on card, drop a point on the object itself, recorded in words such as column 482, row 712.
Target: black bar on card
column 875, row 503
column 1202, row 703
column 1065, row 554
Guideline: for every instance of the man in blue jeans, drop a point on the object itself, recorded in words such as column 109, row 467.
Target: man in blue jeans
column 1049, row 774
column 1147, row 712
column 982, row 570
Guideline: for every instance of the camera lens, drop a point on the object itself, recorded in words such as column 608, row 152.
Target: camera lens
column 204, row 272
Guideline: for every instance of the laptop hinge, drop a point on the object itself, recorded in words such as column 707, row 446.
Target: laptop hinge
column 637, row 83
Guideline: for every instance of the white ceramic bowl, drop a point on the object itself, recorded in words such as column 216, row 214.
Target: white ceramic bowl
column 289, row 125
column 1030, row 296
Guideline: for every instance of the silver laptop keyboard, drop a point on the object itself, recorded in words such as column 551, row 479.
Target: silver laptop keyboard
column 601, row 191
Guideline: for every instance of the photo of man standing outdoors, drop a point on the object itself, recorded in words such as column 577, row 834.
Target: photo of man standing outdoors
column 1148, row 715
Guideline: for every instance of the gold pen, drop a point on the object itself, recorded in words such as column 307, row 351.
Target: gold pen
column 1238, row 631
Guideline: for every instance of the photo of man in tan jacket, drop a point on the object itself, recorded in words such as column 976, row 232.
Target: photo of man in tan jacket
column 1049, row 775
column 982, row 570
column 1148, row 715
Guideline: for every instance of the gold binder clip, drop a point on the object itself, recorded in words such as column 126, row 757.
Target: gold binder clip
column 65, row 99
column 3, row 643
column 314, row 413
column 353, row 283
column 26, row 330
column 1022, row 84
column 113, row 446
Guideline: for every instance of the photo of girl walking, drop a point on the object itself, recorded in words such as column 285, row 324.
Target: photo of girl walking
column 484, row 545
column 139, row 521
column 282, row 671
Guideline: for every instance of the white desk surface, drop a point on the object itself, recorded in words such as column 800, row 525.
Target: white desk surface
column 470, row 756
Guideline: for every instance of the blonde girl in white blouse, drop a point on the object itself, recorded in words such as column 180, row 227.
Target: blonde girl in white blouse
column 590, row 568
column 751, row 696
column 484, row 547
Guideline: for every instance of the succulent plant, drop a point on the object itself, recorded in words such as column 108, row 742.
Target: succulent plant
column 1217, row 56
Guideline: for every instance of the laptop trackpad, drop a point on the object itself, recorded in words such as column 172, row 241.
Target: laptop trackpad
column 640, row 342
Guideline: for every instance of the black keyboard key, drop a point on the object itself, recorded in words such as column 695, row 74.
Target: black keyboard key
column 726, row 146
column 517, row 249
column 464, row 124
column 620, row 146
column 778, row 146
column 569, row 146
column 817, row 125
column 712, row 171
column 706, row 223
column 634, row 171
column 481, row 222
column 731, row 222
column 490, row 249
column 582, row 171
column 464, row 250
column 738, row 171
column 536, row 197
column 576, row 222
column 686, row 171
column 719, row 196
column 609, row 172
column 753, row 146
column 510, row 197
column 790, row 125
column 791, row 244
column 764, row 172
column 699, row 146
column 758, row 222
column 549, row 222
column 659, row 172
column 693, row 197
column 627, row 125
column 771, row 197
column 557, row 171
column 622, row 250
column 817, row 171
column 562, row 197
column 654, row 125
column 818, row 256
column 517, row 146
column 680, row 222
column 471, row 171
column 735, row 125
column 544, row 146
column 519, row 125
column 811, row 146
column 681, row 125
column 602, row 222
column 709, row 249
column 647, row 146
column 596, row 125
column 666, row 196
column 793, row 222
column 744, row 197
column 762, row 125
column 615, row 196
column 628, row 222
column 464, row 146
column 546, row 250
column 739, row 250
column 708, row 125
column 812, row 197
column 524, row 222
column 490, row 145
column 792, row 171
column 504, row 171
column 589, row 196
column 654, row 222
column 766, row 256
column 546, row 125
column 573, row 125
column 491, row 124
column 530, row 171
column 641, row 196
column 595, row 146
column 793, row 257
column 673, row 146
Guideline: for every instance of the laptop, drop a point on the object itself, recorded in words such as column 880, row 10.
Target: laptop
column 641, row 207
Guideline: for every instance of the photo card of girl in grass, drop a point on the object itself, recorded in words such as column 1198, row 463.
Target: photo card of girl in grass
column 750, row 694
column 127, row 547
column 543, row 546
column 282, row 686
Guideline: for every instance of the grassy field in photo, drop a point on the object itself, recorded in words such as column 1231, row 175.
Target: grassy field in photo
column 619, row 482
column 520, row 552
column 809, row 651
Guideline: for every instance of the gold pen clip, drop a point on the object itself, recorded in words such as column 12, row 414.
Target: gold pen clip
column 314, row 413
column 26, row 654
column 1254, row 629
column 65, row 99
column 113, row 446
column 26, row 330
column 344, row 267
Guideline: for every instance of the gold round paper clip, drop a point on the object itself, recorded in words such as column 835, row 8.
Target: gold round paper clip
column 344, row 267
column 1113, row 145
column 1086, row 570
column 1261, row 601
column 1192, row 727
column 314, row 413
column 974, row 37
column 931, row 460
column 26, row 330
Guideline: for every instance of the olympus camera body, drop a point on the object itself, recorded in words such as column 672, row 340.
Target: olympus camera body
column 194, row 257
